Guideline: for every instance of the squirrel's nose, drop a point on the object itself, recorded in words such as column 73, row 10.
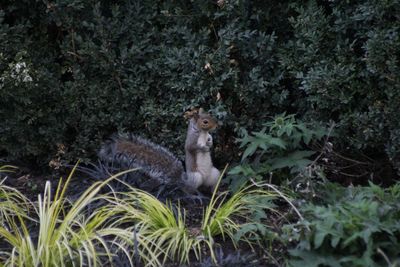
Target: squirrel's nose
column 205, row 121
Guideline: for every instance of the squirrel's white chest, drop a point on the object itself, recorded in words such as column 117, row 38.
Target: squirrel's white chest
column 203, row 159
column 203, row 138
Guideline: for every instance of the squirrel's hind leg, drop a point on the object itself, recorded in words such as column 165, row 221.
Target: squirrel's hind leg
column 213, row 178
column 194, row 179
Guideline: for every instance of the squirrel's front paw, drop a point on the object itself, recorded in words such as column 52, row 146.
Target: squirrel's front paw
column 209, row 143
column 205, row 148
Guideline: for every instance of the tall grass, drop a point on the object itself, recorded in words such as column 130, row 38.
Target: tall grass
column 226, row 215
column 7, row 168
column 98, row 229
column 166, row 233
column 12, row 202
column 162, row 225
column 66, row 235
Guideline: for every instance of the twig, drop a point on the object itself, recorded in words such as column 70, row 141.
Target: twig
column 349, row 159
column 347, row 167
column 379, row 250
column 283, row 196
column 326, row 141
column 73, row 45
column 74, row 54
column 354, row 175
column 116, row 77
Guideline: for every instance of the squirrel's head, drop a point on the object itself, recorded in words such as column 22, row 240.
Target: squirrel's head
column 203, row 120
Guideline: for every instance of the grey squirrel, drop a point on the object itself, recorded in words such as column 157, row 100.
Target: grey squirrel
column 158, row 164
column 199, row 166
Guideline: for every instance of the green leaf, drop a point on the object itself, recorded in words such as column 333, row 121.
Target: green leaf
column 277, row 142
column 312, row 259
column 319, row 238
column 335, row 241
column 250, row 150
column 301, row 154
column 295, row 159
column 289, row 129
column 236, row 170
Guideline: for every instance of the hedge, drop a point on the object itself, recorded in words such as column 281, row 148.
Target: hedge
column 73, row 72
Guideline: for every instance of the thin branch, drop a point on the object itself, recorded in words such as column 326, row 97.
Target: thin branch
column 349, row 159
column 379, row 250
column 354, row 175
column 73, row 45
column 283, row 196
column 325, row 142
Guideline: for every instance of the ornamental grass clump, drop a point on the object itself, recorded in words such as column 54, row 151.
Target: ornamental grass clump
column 131, row 227
column 161, row 225
column 164, row 230
column 60, row 233
column 12, row 202
column 231, row 216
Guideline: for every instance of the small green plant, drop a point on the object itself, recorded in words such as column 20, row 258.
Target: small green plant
column 281, row 145
column 32, row 186
column 356, row 226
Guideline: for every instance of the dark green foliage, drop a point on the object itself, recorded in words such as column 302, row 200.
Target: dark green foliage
column 345, row 60
column 102, row 66
column 282, row 146
column 357, row 226
column 132, row 65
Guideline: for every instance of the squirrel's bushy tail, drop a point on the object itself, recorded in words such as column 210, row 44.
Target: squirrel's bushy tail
column 129, row 151
column 159, row 172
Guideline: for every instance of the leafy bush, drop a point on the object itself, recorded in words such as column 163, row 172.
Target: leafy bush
column 90, row 68
column 356, row 226
column 282, row 144
column 342, row 57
